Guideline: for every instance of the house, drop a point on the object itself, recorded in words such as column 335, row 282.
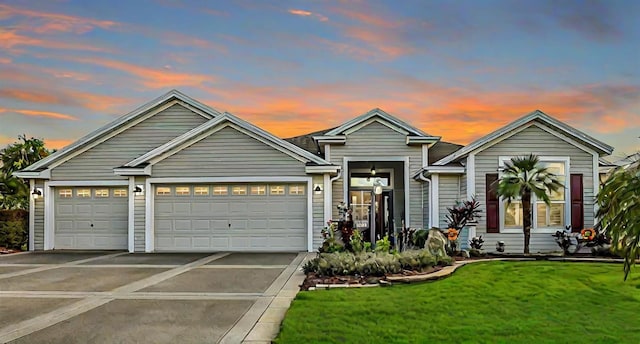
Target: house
column 177, row 175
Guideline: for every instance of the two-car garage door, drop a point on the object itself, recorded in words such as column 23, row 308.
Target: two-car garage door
column 230, row 217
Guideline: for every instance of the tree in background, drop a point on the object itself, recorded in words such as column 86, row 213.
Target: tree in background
column 14, row 192
column 619, row 212
column 521, row 178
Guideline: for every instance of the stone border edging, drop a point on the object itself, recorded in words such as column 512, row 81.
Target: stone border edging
column 450, row 269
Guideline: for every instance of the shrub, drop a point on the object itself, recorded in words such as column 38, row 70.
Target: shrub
column 372, row 263
column 14, row 228
column 420, row 238
column 383, row 245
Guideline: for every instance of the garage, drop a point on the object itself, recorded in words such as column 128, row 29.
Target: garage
column 230, row 217
column 91, row 218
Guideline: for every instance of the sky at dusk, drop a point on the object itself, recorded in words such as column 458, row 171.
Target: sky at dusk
column 456, row 69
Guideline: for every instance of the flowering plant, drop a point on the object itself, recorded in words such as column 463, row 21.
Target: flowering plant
column 588, row 234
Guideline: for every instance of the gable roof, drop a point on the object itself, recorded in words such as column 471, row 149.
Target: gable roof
column 535, row 116
column 258, row 133
column 122, row 122
column 380, row 114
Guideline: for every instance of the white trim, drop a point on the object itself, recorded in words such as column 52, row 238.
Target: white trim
column 45, row 174
column 327, row 152
column 169, row 180
column 149, row 234
column 32, row 215
column 370, row 114
column 133, row 171
column 596, row 187
column 407, row 193
column 435, row 201
column 339, row 139
column 520, row 124
column 414, row 140
column 445, row 169
column 129, row 120
column 371, row 121
column 534, row 223
column 471, row 175
column 322, row 169
column 49, row 217
column 309, row 214
column 89, row 182
column 327, row 198
column 131, row 222
column 425, row 155
column 565, row 138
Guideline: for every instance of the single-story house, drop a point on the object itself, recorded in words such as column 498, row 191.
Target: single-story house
column 177, row 175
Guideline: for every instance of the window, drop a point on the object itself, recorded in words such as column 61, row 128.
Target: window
column 239, row 190
column 163, row 191
column 552, row 215
column 65, row 193
column 101, row 193
column 83, row 193
column 201, row 190
column 258, row 190
column 296, row 190
column 183, row 190
column 366, row 180
column 276, row 189
column 544, row 216
column 221, row 190
column 120, row 193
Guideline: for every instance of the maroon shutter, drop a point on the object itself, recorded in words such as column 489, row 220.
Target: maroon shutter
column 577, row 203
column 493, row 208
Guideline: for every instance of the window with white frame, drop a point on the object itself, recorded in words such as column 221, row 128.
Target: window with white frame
column 221, row 190
column 183, row 191
column 258, row 190
column 163, row 191
column 296, row 189
column 276, row 189
column 119, row 192
column 544, row 216
column 83, row 193
column 100, row 193
column 239, row 190
column 201, row 190
column 65, row 193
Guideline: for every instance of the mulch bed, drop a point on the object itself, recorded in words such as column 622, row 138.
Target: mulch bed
column 4, row 250
column 313, row 279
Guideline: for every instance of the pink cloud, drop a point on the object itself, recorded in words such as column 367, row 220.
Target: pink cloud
column 38, row 113
column 56, row 22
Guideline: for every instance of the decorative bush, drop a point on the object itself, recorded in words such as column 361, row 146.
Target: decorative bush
column 372, row 263
column 14, row 228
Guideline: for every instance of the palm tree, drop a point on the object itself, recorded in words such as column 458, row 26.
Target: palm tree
column 619, row 212
column 521, row 178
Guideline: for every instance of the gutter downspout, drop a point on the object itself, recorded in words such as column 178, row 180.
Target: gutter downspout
column 328, row 189
column 425, row 179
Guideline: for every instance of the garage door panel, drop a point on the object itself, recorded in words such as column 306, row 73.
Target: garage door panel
column 83, row 209
column 101, row 225
column 230, row 222
column 65, row 209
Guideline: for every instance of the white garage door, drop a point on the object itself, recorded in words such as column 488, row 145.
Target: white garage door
column 230, row 217
column 91, row 218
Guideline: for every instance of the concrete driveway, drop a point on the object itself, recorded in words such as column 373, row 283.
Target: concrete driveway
column 118, row 297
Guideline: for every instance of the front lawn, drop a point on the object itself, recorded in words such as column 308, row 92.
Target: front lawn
column 493, row 302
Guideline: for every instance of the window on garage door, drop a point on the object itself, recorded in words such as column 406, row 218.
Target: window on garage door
column 163, row 191
column 296, row 189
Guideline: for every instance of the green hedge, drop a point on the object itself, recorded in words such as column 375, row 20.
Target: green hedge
column 14, row 228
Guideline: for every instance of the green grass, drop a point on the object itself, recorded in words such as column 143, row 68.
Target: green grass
column 496, row 302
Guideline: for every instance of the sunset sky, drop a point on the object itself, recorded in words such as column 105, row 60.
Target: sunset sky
column 457, row 69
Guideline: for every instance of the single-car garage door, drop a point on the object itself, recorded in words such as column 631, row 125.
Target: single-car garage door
column 91, row 218
column 231, row 217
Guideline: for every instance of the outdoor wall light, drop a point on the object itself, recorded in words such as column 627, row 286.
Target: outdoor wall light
column 317, row 189
column 138, row 189
column 373, row 170
column 37, row 193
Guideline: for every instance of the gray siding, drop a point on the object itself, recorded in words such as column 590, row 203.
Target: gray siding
column 38, row 234
column 537, row 141
column 377, row 140
column 98, row 162
column 139, row 218
column 427, row 201
column 449, row 188
column 318, row 214
column 228, row 152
